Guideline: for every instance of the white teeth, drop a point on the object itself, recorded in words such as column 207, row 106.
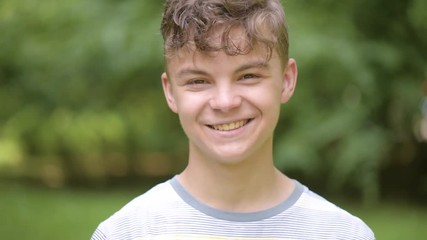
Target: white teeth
column 230, row 126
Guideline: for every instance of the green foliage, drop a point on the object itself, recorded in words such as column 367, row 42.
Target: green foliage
column 361, row 68
column 80, row 79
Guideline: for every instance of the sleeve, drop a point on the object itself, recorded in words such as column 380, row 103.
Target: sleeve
column 98, row 235
column 362, row 231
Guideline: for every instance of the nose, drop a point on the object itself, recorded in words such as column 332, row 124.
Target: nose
column 225, row 99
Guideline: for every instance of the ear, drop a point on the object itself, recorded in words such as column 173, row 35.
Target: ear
column 289, row 80
column 168, row 91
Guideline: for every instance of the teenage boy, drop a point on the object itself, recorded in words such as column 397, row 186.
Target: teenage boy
column 227, row 75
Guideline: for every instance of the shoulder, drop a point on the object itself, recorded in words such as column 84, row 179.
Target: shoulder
column 325, row 217
column 135, row 214
column 159, row 195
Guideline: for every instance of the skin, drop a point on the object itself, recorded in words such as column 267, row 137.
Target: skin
column 228, row 107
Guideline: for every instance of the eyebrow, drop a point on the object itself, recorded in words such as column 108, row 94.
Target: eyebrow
column 254, row 64
column 190, row 71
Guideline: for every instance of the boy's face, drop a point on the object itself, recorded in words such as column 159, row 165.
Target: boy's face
column 228, row 106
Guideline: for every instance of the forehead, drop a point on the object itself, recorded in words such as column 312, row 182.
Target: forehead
column 191, row 56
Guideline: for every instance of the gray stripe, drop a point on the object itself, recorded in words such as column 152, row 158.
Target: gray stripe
column 236, row 216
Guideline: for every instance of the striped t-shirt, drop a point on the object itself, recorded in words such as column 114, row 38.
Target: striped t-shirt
column 169, row 212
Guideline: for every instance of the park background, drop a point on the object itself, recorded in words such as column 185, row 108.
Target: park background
column 84, row 126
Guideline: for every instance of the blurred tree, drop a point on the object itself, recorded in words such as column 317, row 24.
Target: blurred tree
column 78, row 82
column 361, row 65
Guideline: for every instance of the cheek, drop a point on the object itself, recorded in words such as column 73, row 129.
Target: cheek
column 186, row 120
column 266, row 96
column 189, row 107
column 268, row 102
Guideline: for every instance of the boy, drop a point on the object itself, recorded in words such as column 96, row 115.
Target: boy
column 227, row 75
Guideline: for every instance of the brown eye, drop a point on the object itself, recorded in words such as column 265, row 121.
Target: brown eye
column 197, row 82
column 249, row 76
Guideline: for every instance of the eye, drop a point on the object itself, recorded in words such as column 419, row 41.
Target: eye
column 249, row 76
column 197, row 82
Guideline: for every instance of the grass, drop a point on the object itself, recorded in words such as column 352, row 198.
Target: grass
column 393, row 221
column 37, row 213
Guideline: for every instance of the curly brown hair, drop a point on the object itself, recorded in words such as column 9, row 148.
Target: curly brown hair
column 193, row 22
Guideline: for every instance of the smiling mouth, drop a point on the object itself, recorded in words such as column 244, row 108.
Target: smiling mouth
column 230, row 126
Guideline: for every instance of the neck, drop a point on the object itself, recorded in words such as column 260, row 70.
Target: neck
column 252, row 185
